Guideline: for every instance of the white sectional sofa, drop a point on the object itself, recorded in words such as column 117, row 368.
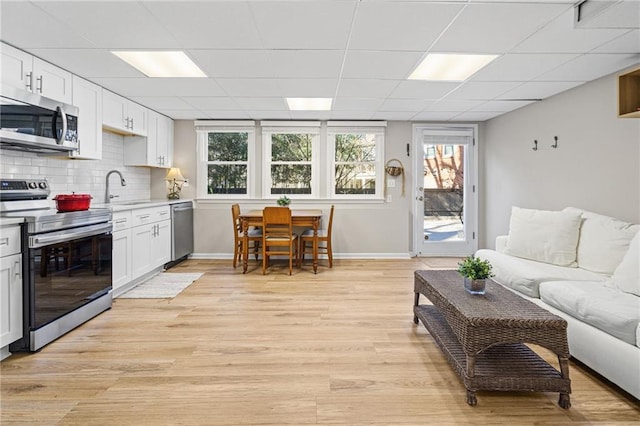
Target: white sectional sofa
column 584, row 267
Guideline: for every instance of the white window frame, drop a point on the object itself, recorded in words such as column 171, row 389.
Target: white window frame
column 377, row 128
column 293, row 127
column 203, row 128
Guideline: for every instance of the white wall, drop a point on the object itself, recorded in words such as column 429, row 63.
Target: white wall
column 81, row 176
column 595, row 167
column 360, row 230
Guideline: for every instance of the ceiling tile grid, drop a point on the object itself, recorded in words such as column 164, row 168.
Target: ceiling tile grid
column 358, row 52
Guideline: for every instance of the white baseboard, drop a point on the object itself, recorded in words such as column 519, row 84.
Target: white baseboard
column 229, row 256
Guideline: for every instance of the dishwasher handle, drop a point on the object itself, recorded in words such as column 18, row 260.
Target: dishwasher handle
column 182, row 209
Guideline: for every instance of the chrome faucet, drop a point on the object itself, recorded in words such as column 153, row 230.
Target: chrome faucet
column 107, row 197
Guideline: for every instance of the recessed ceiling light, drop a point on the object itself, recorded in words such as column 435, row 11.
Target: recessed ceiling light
column 161, row 63
column 450, row 66
column 309, row 104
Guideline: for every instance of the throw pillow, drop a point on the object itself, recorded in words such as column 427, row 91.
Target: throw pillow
column 545, row 236
column 603, row 241
column 626, row 277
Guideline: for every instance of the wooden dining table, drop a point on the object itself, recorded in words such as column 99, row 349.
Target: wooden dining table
column 300, row 218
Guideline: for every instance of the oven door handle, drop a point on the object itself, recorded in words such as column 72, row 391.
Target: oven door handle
column 41, row 240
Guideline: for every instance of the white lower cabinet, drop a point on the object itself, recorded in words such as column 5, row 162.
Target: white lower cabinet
column 122, row 249
column 150, row 239
column 10, row 287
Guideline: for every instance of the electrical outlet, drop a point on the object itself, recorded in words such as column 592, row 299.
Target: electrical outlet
column 185, row 183
column 391, row 183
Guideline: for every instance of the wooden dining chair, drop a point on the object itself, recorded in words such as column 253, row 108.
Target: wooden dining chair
column 324, row 241
column 277, row 236
column 255, row 236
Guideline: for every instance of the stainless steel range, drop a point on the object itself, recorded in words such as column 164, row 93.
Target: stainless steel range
column 67, row 262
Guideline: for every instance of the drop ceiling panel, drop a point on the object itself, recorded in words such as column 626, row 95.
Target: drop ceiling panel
column 262, row 104
column 435, row 115
column 380, row 65
column 161, row 86
column 590, row 67
column 393, row 115
column 208, row 25
column 227, row 115
column 269, row 115
column 405, row 104
column 112, row 25
column 501, row 106
column 183, row 114
column 308, row 87
column 250, row 86
column 211, row 102
column 306, row 63
column 559, row 36
column 366, row 88
column 162, row 102
column 233, row 63
column 626, row 43
column 40, row 30
column 357, row 104
column 89, row 63
column 303, row 25
column 412, row 89
column 458, row 106
column 400, row 26
column 477, row 115
column 521, row 67
column 495, row 28
column 481, row 90
column 539, row 90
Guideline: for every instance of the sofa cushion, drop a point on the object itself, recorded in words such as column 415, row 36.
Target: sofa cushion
column 626, row 277
column 545, row 236
column 526, row 275
column 606, row 308
column 603, row 241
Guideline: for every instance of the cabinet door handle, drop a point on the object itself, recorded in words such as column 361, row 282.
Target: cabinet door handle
column 29, row 81
column 144, row 216
column 121, row 220
column 17, row 268
column 39, row 89
column 131, row 123
column 4, row 242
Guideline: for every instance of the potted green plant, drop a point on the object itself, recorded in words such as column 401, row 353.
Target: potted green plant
column 475, row 272
column 284, row 201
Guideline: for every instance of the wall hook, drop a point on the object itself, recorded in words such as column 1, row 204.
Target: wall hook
column 535, row 145
column 555, row 144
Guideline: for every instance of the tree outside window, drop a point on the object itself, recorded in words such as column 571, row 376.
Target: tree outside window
column 357, row 162
column 227, row 162
column 291, row 163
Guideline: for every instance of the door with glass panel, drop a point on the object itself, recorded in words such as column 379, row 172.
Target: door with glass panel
column 445, row 199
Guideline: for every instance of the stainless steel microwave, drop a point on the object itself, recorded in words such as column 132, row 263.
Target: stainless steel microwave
column 30, row 122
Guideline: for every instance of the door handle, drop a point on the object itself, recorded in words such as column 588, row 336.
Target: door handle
column 420, row 198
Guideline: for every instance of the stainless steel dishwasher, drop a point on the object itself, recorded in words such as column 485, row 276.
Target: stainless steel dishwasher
column 181, row 232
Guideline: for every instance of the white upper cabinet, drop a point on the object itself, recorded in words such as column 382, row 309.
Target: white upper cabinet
column 24, row 71
column 122, row 115
column 17, row 68
column 156, row 149
column 88, row 98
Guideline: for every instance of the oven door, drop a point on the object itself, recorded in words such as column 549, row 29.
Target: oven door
column 68, row 270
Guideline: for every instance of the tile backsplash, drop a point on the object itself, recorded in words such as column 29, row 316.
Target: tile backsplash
column 81, row 176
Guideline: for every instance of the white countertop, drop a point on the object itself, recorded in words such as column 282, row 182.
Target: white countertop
column 138, row 204
column 8, row 221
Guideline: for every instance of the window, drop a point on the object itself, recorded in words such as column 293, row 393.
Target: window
column 447, row 151
column 357, row 161
column 225, row 153
column 430, row 151
column 291, row 156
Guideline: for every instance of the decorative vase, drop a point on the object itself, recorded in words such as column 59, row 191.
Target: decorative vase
column 474, row 286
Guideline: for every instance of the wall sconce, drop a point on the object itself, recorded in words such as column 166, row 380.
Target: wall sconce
column 176, row 180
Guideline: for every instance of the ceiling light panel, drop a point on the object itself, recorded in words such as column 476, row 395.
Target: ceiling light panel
column 161, row 63
column 309, row 104
column 449, row 66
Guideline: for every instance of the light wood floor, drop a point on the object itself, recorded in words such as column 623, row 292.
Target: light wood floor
column 335, row 348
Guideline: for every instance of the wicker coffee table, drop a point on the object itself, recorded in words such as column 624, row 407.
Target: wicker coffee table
column 483, row 336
